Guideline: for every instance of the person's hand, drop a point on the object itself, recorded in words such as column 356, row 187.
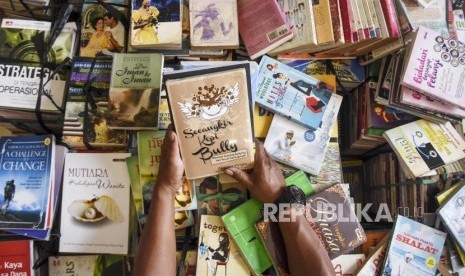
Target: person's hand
column 108, row 34
column 266, row 182
column 171, row 166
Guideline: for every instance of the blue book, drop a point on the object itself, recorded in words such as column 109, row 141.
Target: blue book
column 291, row 93
column 414, row 249
column 26, row 170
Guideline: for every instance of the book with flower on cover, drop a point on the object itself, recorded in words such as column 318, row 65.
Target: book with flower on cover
column 291, row 93
column 414, row 249
column 423, row 146
column 435, row 67
column 212, row 114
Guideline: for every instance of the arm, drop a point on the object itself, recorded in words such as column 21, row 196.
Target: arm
column 266, row 183
column 113, row 43
column 156, row 253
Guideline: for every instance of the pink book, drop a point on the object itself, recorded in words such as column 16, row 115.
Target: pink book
column 389, row 11
column 436, row 67
column 262, row 26
column 346, row 20
column 414, row 98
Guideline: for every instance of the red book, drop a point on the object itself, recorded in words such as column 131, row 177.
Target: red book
column 346, row 20
column 389, row 11
column 16, row 257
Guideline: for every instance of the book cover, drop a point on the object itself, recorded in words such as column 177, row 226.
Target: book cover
column 298, row 146
column 136, row 189
column 164, row 116
column 217, row 195
column 214, row 24
column 434, row 66
column 189, row 263
column 414, row 249
column 452, row 214
column 156, row 24
column 95, row 202
column 337, row 226
column 423, row 146
column 134, row 95
column 17, row 257
column 217, row 250
column 87, row 265
column 271, row 236
column 346, row 264
column 291, row 93
column 101, row 31
column 262, row 119
column 81, row 127
column 260, row 34
column 212, row 115
column 374, row 261
column 27, row 171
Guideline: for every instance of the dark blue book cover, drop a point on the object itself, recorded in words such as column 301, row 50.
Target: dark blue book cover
column 25, row 180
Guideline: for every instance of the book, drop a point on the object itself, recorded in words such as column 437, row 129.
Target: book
column 134, row 95
column 452, row 215
column 338, row 229
column 291, row 93
column 261, row 34
column 87, row 265
column 27, row 175
column 156, row 24
column 346, row 264
column 423, row 146
column 136, row 189
column 17, row 257
column 95, row 202
column 298, row 146
column 217, row 249
column 414, row 248
column 213, row 24
column 323, row 23
column 434, row 65
column 374, row 260
column 208, row 107
column 262, row 119
column 189, row 264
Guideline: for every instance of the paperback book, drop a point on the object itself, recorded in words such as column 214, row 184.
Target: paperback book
column 213, row 24
column 291, row 93
column 17, row 257
column 188, row 264
column 452, row 214
column 423, row 146
column 84, row 265
column 95, row 202
column 217, row 250
column 27, row 175
column 134, row 95
column 212, row 115
column 347, row 264
column 374, row 261
column 434, row 67
column 414, row 249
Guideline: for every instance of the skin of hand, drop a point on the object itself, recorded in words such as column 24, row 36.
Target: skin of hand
column 266, row 182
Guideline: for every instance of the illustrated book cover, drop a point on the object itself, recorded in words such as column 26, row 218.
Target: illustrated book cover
column 134, row 95
column 88, row 127
column 212, row 115
column 434, row 67
column 189, row 264
column 374, row 261
column 84, row 265
column 291, row 93
column 17, row 257
column 414, row 249
column 136, row 189
column 271, row 236
column 95, row 203
column 452, row 214
column 301, row 147
column 213, row 24
column 217, row 250
column 423, row 146
column 331, row 216
column 27, row 176
column 262, row 26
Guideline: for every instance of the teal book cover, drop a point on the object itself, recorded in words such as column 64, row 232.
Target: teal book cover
column 26, row 169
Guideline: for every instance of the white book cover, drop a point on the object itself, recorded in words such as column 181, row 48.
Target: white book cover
column 452, row 214
column 436, row 67
column 346, row 264
column 95, row 204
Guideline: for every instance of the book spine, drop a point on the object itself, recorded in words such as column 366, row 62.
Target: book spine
column 336, row 21
column 381, row 19
column 389, row 11
column 346, row 20
column 357, row 21
column 323, row 24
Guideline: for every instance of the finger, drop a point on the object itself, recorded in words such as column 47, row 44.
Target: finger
column 239, row 175
column 261, row 154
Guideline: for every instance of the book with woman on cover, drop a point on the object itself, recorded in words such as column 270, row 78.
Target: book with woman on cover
column 414, row 249
column 212, row 115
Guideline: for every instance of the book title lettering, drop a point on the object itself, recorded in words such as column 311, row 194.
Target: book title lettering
column 417, row 243
column 427, row 69
column 412, row 155
column 154, row 144
column 214, row 228
column 138, row 74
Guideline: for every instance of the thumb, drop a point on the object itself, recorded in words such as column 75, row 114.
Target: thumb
column 239, row 175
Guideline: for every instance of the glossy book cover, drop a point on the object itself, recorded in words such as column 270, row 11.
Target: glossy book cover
column 212, row 115
column 452, row 214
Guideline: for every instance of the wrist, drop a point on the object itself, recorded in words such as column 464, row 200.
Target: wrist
column 164, row 191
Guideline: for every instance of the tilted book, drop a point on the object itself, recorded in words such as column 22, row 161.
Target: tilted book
column 27, row 178
column 134, row 95
column 217, row 250
column 262, row 26
column 414, row 249
column 212, row 115
column 423, row 146
column 452, row 214
column 435, row 66
column 213, row 24
column 95, row 204
column 333, row 219
column 374, row 261
column 291, row 93
column 346, row 264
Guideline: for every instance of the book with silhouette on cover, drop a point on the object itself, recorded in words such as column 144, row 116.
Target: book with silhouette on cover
column 212, row 114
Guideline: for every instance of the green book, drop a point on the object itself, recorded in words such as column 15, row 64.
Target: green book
column 240, row 223
column 136, row 191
